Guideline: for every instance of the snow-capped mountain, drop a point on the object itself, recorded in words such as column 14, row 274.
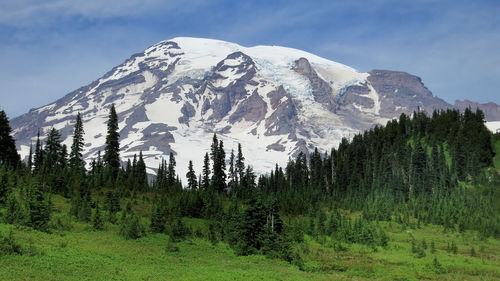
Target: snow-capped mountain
column 275, row 101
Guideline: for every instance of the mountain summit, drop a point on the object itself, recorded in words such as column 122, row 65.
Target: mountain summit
column 275, row 101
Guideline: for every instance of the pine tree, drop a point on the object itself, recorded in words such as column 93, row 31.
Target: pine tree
column 251, row 229
column 76, row 162
column 85, row 210
column 232, row 173
column 30, row 158
column 218, row 165
column 112, row 202
column 64, row 156
column 418, row 165
column 97, row 222
column 53, row 167
column 131, row 227
column 171, row 176
column 8, row 151
column 191, row 176
column 112, row 148
column 38, row 207
column 316, row 169
column 240, row 164
column 53, row 152
column 38, row 159
column 98, row 171
column 160, row 181
column 157, row 219
column 141, row 175
column 248, row 181
column 214, row 155
column 205, row 181
column 222, row 167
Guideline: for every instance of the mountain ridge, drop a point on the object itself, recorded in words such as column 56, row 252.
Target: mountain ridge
column 173, row 96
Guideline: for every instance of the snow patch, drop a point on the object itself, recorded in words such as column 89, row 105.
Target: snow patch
column 493, row 126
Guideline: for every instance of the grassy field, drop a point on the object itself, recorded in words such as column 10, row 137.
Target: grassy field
column 79, row 253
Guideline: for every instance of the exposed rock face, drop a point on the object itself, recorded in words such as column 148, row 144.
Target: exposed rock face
column 275, row 101
column 397, row 92
column 284, row 119
column 357, row 97
column 229, row 80
column 400, row 92
column 252, row 110
column 491, row 110
column 321, row 90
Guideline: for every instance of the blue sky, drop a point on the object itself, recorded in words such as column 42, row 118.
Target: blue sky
column 51, row 47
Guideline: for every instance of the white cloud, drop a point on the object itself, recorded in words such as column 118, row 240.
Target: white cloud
column 23, row 13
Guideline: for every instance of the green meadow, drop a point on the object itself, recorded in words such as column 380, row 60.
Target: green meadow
column 74, row 251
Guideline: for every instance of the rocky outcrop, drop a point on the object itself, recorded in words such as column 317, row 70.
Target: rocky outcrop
column 400, row 92
column 356, row 95
column 321, row 90
column 252, row 109
column 228, row 82
column 284, row 119
column 188, row 111
column 491, row 110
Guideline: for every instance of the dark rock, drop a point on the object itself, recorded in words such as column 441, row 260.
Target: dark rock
column 187, row 111
column 236, row 90
column 491, row 110
column 401, row 92
column 253, row 109
column 284, row 119
column 275, row 147
column 321, row 90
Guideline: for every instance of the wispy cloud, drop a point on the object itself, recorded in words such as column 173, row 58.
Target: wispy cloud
column 23, row 13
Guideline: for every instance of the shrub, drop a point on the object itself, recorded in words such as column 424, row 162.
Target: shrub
column 9, row 246
column 131, row 227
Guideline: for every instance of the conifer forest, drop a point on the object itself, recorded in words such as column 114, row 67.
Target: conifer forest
column 418, row 198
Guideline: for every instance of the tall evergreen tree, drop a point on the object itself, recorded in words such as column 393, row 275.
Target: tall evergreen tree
column 157, row 218
column 97, row 221
column 171, row 176
column 205, row 180
column 38, row 206
column 222, row 166
column 38, row 158
column 191, row 176
column 417, row 169
column 8, row 152
column 76, row 162
column 251, row 228
column 142, row 176
column 232, row 174
column 30, row 158
column 112, row 148
column 240, row 164
column 53, row 156
column 219, row 165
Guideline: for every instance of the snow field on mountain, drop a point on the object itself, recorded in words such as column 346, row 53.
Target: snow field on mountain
column 194, row 60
